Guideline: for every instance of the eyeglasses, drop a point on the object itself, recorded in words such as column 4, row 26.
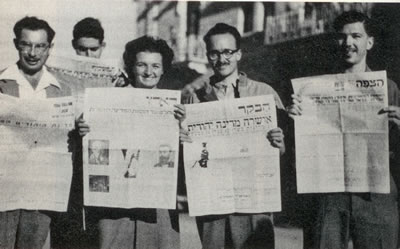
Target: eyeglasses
column 226, row 53
column 27, row 47
column 86, row 49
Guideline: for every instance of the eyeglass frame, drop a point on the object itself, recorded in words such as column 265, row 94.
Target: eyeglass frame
column 226, row 53
column 26, row 47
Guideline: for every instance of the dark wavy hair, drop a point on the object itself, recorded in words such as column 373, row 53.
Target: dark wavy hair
column 222, row 28
column 352, row 17
column 33, row 23
column 88, row 27
column 147, row 44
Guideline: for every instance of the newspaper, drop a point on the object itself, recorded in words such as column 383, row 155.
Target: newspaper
column 80, row 72
column 36, row 166
column 231, row 166
column 130, row 155
column 341, row 139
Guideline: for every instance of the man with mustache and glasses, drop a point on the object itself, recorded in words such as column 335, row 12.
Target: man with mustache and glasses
column 369, row 219
column 29, row 78
column 223, row 53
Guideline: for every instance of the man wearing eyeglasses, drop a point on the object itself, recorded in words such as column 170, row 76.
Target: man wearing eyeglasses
column 223, row 53
column 88, row 38
column 29, row 78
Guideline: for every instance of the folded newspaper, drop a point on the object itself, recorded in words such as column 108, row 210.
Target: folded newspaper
column 341, row 137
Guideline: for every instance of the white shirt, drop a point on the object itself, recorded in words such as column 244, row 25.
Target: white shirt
column 25, row 89
column 224, row 89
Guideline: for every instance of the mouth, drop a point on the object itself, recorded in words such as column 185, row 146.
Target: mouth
column 222, row 66
column 350, row 51
column 32, row 62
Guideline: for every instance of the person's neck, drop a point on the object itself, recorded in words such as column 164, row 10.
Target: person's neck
column 357, row 68
column 229, row 79
column 32, row 77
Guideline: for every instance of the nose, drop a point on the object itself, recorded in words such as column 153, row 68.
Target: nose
column 348, row 40
column 90, row 53
column 148, row 71
column 221, row 58
column 32, row 51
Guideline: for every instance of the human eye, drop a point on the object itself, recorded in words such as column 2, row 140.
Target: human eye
column 23, row 44
column 41, row 45
column 94, row 49
column 140, row 64
column 157, row 66
column 227, row 52
column 213, row 54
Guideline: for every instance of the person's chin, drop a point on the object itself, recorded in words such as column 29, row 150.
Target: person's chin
column 31, row 68
column 224, row 73
column 149, row 83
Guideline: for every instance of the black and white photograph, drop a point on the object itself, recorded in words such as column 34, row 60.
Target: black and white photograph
column 165, row 157
column 331, row 69
column 99, row 183
column 98, row 152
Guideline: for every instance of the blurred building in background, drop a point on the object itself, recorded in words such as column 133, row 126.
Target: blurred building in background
column 183, row 24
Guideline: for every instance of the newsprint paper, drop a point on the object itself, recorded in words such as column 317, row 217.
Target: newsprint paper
column 36, row 167
column 130, row 155
column 341, row 137
column 231, row 166
column 79, row 73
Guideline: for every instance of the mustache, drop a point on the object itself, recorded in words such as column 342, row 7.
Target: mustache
column 218, row 64
column 348, row 49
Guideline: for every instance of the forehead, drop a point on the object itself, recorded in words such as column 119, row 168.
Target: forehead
column 356, row 27
column 222, row 41
column 33, row 36
column 88, row 42
column 149, row 57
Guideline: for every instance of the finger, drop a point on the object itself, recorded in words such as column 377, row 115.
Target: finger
column 394, row 115
column 179, row 112
column 296, row 97
column 276, row 138
column 179, row 106
column 297, row 105
column 276, row 129
column 294, row 110
column 395, row 120
column 185, row 138
column 83, row 125
column 273, row 136
column 277, row 144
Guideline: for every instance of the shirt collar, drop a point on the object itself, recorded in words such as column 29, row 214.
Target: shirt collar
column 13, row 73
column 227, row 82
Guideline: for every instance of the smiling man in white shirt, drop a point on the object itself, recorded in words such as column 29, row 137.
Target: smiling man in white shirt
column 29, row 78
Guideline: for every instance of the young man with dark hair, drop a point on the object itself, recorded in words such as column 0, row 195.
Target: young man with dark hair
column 224, row 53
column 29, row 78
column 370, row 220
column 88, row 38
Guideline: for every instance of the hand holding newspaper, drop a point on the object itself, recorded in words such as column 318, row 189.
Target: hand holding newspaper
column 341, row 139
